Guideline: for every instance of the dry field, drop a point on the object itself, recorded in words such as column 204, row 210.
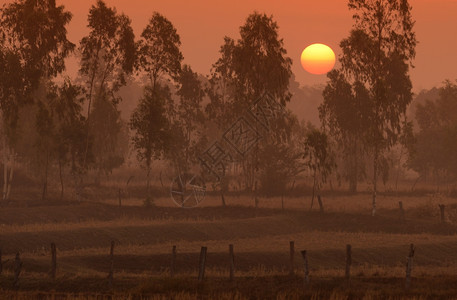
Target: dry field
column 144, row 237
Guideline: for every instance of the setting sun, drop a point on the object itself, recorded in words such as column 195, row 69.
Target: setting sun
column 318, row 59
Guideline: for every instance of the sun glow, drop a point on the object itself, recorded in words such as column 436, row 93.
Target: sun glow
column 318, row 59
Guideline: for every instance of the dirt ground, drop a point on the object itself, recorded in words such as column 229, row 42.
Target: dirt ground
column 144, row 237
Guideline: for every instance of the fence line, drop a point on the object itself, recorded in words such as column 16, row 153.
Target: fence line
column 18, row 264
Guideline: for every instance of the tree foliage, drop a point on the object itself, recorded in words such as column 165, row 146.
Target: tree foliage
column 251, row 66
column 159, row 53
column 344, row 113
column 247, row 69
column 33, row 45
column 106, row 128
column 108, row 55
column 150, row 126
column 108, row 52
column 375, row 62
column 187, row 126
column 434, row 152
column 33, row 48
column 319, row 158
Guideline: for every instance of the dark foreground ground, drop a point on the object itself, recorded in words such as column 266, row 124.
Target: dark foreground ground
column 266, row 287
column 144, row 236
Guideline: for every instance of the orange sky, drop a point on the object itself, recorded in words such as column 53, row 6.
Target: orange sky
column 202, row 24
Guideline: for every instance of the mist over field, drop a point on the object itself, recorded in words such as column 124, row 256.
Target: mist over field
column 138, row 177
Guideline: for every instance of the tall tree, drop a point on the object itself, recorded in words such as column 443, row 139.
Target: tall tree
column 70, row 129
column 33, row 47
column 345, row 115
column 253, row 65
column 186, row 136
column 318, row 158
column 281, row 158
column 375, row 59
column 150, row 124
column 108, row 55
column 433, row 153
column 105, row 128
column 44, row 144
column 159, row 58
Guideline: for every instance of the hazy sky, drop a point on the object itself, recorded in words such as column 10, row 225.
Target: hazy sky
column 203, row 24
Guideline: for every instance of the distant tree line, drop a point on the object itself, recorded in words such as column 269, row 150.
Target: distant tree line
column 74, row 125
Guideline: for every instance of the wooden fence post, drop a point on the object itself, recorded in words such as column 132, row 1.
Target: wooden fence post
column 53, row 261
column 282, row 202
column 442, row 206
column 409, row 265
column 321, row 205
column 173, row 261
column 348, row 261
column 201, row 272
column 1, row 262
column 17, row 270
column 306, row 269
column 402, row 211
column 292, row 253
column 120, row 198
column 111, row 270
column 232, row 262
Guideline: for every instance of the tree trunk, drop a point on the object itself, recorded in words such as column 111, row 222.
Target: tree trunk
column 375, row 180
column 354, row 173
column 5, row 173
column 10, row 180
column 8, row 170
column 45, row 179
column 398, row 170
column 90, row 101
column 222, row 198
column 314, row 190
column 147, row 183
column 61, row 179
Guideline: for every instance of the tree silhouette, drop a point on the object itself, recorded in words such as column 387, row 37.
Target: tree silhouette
column 186, row 136
column 375, row 61
column 158, row 50
column 248, row 68
column 151, row 127
column 105, row 128
column 108, row 55
column 70, row 129
column 318, row 158
column 433, row 153
column 345, row 114
column 33, row 48
column 159, row 58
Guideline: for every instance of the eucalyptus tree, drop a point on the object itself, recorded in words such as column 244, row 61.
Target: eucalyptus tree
column 151, row 127
column 106, row 132
column 70, row 127
column 159, row 56
column 253, row 65
column 432, row 153
column 33, row 48
column 187, row 130
column 108, row 55
column 375, row 61
column 249, row 67
column 344, row 115
column 159, row 59
column 319, row 158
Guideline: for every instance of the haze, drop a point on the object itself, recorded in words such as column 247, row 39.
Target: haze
column 203, row 24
